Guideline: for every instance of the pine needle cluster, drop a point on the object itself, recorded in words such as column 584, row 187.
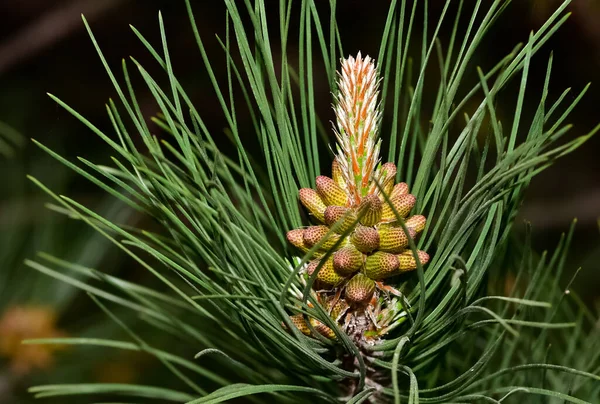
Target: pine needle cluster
column 231, row 283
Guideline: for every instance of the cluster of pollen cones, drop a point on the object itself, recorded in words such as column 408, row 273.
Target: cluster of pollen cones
column 369, row 242
column 358, row 241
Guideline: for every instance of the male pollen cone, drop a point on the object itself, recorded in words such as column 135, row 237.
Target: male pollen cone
column 407, row 260
column 326, row 274
column 314, row 234
column 360, row 289
column 300, row 323
column 370, row 210
column 313, row 202
column 388, row 173
column 393, row 239
column 322, row 329
column 337, row 307
column 403, row 205
column 347, row 260
column 331, row 193
column 335, row 214
column 417, row 222
column 381, row 265
column 365, row 239
column 337, row 173
column 400, row 188
column 296, row 238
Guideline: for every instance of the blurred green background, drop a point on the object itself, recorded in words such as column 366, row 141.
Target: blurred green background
column 44, row 48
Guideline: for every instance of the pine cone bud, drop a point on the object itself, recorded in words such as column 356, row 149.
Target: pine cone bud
column 400, row 188
column 407, row 260
column 393, row 239
column 402, row 203
column 331, row 193
column 327, row 275
column 381, row 265
column 296, row 238
column 417, row 222
column 333, row 214
column 313, row 202
column 365, row 239
column 360, row 289
column 370, row 210
column 337, row 174
column 314, row 234
column 347, row 260
column 300, row 323
column 322, row 329
column 338, row 309
column 388, row 175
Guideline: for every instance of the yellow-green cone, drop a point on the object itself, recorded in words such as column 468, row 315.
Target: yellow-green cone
column 417, row 222
column 360, row 289
column 338, row 309
column 365, row 239
column 393, row 239
column 336, row 173
column 400, row 188
column 313, row 202
column 300, row 323
column 296, row 238
column 388, row 175
column 314, row 234
column 327, row 274
column 370, row 210
column 407, row 261
column 402, row 203
column 333, row 214
column 347, row 260
column 322, row 329
column 331, row 193
column 381, row 265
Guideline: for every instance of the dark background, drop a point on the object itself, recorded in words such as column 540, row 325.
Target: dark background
column 44, row 48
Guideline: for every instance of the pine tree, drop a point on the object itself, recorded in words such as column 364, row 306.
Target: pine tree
column 341, row 322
